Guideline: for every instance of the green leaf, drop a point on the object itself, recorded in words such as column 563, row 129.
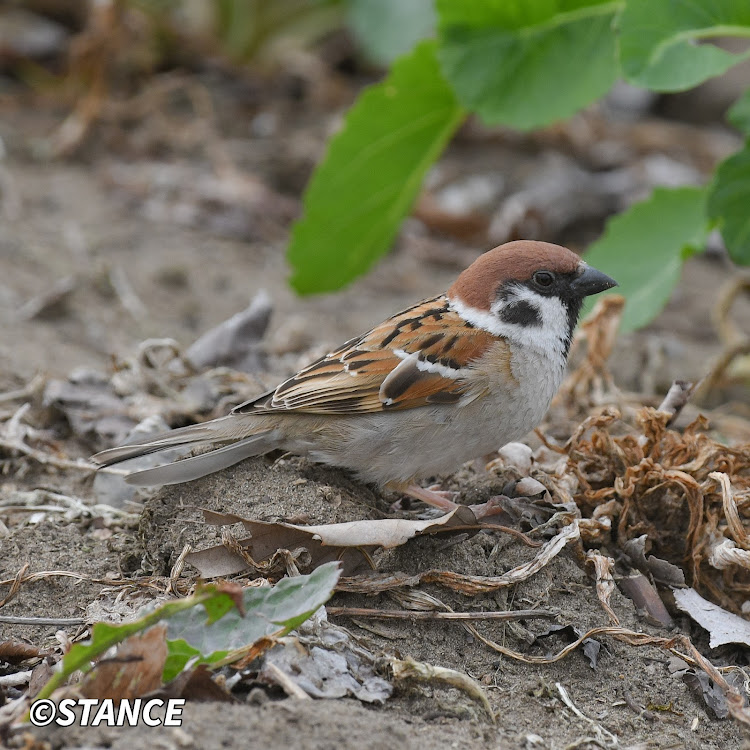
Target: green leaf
column 268, row 610
column 659, row 40
column 389, row 28
column 179, row 653
column 527, row 63
column 103, row 635
column 196, row 632
column 729, row 204
column 644, row 248
column 372, row 173
column 739, row 114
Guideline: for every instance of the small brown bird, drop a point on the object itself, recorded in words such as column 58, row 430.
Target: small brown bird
column 449, row 379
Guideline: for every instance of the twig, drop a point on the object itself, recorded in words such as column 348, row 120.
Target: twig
column 728, row 332
column 719, row 367
column 32, row 501
column 29, row 389
column 633, row 706
column 46, row 459
column 177, row 569
column 15, row 584
column 42, row 303
column 62, row 621
column 602, row 735
column 17, row 678
column 22, row 578
column 291, row 688
column 677, row 396
column 410, row 614
column 466, row 584
column 126, row 293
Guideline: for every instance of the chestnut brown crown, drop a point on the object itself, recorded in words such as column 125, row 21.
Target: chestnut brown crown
column 518, row 261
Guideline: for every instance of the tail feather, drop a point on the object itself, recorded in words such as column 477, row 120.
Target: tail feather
column 216, row 430
column 230, row 429
column 188, row 469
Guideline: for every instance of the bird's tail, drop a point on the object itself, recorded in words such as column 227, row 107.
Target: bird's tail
column 226, row 429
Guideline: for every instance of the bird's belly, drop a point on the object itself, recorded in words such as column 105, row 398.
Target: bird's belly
column 398, row 447
column 428, row 441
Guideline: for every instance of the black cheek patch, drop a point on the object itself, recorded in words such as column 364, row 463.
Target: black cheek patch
column 520, row 313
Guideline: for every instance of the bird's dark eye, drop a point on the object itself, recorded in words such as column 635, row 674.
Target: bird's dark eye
column 543, row 278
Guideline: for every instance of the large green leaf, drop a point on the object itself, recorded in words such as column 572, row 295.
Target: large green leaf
column 267, row 610
column 644, row 248
column 389, row 28
column 372, row 172
column 212, row 600
column 659, row 46
column 527, row 63
column 739, row 114
column 729, row 204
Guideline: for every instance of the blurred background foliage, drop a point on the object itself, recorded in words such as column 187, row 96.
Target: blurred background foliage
column 163, row 33
column 520, row 64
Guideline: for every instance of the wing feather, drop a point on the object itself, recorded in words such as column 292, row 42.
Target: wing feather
column 416, row 358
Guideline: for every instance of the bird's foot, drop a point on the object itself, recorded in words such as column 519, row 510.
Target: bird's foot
column 490, row 508
column 444, row 500
column 437, row 498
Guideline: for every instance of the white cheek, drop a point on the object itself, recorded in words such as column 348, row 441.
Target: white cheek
column 482, row 319
column 552, row 311
column 549, row 338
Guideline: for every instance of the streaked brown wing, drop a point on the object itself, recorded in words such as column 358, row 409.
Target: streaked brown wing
column 416, row 358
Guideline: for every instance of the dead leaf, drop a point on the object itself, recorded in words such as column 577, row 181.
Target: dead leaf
column 409, row 669
column 328, row 673
column 645, row 597
column 712, row 694
column 605, row 584
column 40, row 675
column 722, row 626
column 466, row 584
column 235, row 342
column 349, row 542
column 196, row 685
column 14, row 652
column 135, row 669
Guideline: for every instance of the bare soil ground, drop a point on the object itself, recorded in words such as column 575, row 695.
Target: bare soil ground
column 190, row 263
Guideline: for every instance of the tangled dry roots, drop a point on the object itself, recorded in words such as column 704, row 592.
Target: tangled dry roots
column 687, row 492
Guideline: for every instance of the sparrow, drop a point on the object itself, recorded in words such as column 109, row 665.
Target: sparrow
column 452, row 378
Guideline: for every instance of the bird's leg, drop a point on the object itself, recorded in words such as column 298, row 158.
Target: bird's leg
column 443, row 499
column 437, row 498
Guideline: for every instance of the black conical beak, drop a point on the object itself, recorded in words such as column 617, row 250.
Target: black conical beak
column 591, row 281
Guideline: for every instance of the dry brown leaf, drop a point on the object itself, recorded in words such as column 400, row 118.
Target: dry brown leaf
column 591, row 380
column 409, row 669
column 135, row 670
column 682, row 491
column 645, row 598
column 14, row 652
column 605, row 584
column 731, row 511
column 726, row 553
column 197, row 685
column 348, row 542
column 466, row 584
